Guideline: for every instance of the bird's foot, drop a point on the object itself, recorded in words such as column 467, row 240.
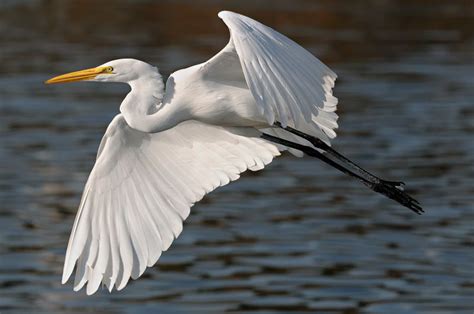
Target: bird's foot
column 394, row 190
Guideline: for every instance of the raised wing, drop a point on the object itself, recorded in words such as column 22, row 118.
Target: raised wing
column 289, row 84
column 141, row 189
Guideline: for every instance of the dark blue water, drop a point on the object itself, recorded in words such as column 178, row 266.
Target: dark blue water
column 295, row 237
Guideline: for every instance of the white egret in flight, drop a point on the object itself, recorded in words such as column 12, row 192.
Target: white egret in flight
column 261, row 94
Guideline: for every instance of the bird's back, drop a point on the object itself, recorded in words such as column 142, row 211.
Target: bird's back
column 213, row 101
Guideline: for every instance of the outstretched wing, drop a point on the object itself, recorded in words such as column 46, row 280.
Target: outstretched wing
column 141, row 189
column 288, row 83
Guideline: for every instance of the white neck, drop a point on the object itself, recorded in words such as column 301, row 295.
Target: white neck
column 142, row 107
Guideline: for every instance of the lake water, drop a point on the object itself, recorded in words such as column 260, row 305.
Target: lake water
column 296, row 237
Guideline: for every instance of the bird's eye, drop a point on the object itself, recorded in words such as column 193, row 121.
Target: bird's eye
column 110, row 69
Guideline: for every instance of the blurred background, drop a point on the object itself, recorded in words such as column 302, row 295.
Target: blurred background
column 295, row 237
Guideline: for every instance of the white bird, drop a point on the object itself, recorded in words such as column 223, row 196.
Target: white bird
column 261, row 94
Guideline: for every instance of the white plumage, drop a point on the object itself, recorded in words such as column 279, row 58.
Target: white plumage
column 141, row 189
column 171, row 146
column 288, row 84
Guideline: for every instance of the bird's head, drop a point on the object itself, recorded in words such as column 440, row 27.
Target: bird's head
column 120, row 70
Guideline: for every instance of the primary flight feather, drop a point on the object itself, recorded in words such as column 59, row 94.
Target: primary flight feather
column 173, row 144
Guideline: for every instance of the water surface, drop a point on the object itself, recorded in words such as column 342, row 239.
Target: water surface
column 295, row 237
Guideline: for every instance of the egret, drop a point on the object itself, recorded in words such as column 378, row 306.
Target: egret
column 171, row 145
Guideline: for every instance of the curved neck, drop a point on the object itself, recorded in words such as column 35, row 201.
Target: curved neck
column 143, row 109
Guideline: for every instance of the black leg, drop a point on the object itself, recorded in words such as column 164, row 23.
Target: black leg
column 387, row 188
column 328, row 149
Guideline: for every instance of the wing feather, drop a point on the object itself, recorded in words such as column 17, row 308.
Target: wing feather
column 141, row 189
column 288, row 83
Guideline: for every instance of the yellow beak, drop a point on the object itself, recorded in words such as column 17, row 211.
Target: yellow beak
column 82, row 75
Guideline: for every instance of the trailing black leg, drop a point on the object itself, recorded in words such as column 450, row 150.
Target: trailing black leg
column 329, row 150
column 390, row 189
